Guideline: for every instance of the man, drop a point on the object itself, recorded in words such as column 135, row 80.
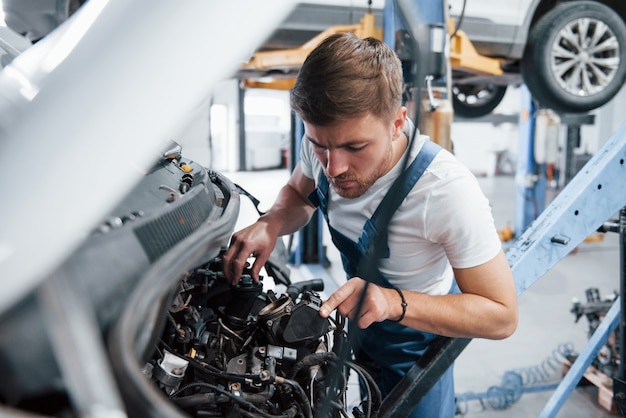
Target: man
column 357, row 140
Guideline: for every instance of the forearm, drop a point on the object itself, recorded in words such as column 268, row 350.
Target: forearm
column 486, row 308
column 455, row 315
column 289, row 213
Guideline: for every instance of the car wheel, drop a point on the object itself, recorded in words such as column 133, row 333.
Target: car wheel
column 473, row 101
column 575, row 57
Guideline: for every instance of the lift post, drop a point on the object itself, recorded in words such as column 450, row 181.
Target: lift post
column 531, row 179
column 310, row 248
column 573, row 123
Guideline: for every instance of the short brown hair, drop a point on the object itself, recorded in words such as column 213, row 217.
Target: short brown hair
column 346, row 76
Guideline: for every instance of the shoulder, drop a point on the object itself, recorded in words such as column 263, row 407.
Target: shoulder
column 448, row 195
column 446, row 171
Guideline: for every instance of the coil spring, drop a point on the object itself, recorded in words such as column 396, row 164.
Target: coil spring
column 516, row 382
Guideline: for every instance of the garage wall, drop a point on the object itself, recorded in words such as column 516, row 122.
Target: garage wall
column 211, row 137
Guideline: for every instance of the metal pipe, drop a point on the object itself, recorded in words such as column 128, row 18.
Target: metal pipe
column 619, row 380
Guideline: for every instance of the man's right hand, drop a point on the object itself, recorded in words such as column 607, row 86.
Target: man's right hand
column 291, row 211
column 256, row 240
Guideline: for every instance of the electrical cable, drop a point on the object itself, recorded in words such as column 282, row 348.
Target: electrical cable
column 305, row 403
column 256, row 202
column 460, row 21
column 249, row 405
column 374, row 397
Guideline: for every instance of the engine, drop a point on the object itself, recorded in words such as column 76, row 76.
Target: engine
column 239, row 351
column 141, row 322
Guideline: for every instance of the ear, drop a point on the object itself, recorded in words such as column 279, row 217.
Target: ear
column 398, row 122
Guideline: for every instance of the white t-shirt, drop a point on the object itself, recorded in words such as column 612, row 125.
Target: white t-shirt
column 444, row 221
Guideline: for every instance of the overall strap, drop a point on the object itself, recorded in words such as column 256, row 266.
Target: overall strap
column 350, row 254
column 393, row 199
column 353, row 252
column 319, row 196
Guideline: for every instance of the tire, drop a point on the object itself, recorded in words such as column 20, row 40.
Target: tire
column 474, row 101
column 563, row 72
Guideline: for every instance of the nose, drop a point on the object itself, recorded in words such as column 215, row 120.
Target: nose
column 336, row 163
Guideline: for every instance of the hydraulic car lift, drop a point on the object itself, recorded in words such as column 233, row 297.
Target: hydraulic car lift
column 538, row 147
column 277, row 69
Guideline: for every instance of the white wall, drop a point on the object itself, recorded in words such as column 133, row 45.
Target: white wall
column 268, row 127
column 610, row 117
column 212, row 136
column 477, row 144
column 195, row 137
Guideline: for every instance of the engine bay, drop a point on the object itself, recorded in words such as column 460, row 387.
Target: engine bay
column 239, row 351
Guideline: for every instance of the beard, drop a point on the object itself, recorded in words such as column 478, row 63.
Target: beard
column 361, row 184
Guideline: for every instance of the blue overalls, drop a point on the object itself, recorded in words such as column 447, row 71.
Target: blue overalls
column 393, row 347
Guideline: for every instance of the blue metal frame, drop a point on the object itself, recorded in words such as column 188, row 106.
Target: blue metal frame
column 298, row 133
column 593, row 196
column 428, row 12
column 530, row 178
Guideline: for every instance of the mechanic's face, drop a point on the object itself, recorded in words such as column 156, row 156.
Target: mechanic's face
column 356, row 152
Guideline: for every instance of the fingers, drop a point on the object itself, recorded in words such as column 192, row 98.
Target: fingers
column 345, row 299
column 257, row 265
column 236, row 257
column 331, row 304
column 236, row 260
column 348, row 302
column 233, row 267
column 366, row 319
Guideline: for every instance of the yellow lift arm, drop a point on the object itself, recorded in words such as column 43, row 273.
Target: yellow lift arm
column 283, row 64
column 464, row 57
column 277, row 69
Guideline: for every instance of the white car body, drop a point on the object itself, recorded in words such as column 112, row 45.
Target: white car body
column 114, row 82
column 496, row 28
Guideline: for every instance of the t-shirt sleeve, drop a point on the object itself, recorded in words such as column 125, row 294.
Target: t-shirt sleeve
column 306, row 158
column 458, row 216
